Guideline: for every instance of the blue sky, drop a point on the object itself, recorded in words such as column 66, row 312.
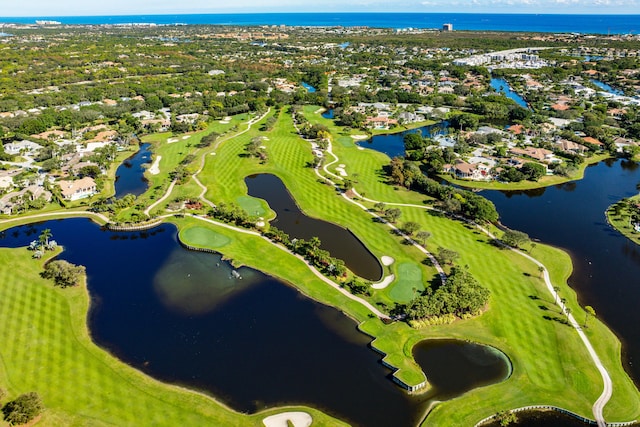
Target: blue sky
column 149, row 7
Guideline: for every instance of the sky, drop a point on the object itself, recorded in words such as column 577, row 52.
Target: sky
column 158, row 7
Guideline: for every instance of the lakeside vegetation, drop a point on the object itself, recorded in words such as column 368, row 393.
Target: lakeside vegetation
column 624, row 216
column 550, row 363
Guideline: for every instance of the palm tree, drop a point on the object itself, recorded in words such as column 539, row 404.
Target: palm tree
column 540, row 270
column 567, row 311
column 44, row 237
column 556, row 291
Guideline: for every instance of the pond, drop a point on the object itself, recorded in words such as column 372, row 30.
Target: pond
column 130, row 174
column 308, row 87
column 500, row 85
column 454, row 367
column 340, row 242
column 607, row 88
column 328, row 114
column 393, row 144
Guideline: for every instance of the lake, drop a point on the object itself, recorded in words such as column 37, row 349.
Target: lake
column 607, row 88
column 500, row 85
column 252, row 343
column 393, row 144
column 130, row 174
column 339, row 241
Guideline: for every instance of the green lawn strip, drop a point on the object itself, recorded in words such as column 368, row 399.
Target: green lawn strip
column 252, row 205
column 545, row 181
column 47, row 348
column 109, row 186
column 622, row 221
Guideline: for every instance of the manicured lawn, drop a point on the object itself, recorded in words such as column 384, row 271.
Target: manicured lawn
column 46, row 348
column 202, row 237
column 409, row 283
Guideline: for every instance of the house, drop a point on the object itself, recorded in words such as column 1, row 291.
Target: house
column 79, row 189
column 540, row 154
column 24, row 146
column 11, row 201
column 593, row 141
column 571, row 147
column 464, row 170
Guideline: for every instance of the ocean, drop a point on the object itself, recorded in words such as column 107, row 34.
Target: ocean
column 591, row 24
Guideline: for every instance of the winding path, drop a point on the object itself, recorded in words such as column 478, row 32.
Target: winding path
column 607, row 391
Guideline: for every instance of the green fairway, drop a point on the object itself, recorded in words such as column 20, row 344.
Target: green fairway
column 346, row 141
column 203, row 237
column 408, row 284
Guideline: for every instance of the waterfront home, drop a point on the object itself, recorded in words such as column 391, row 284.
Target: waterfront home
column 540, row 154
column 464, row 170
column 571, row 147
column 79, row 189
column 10, row 202
column 593, row 141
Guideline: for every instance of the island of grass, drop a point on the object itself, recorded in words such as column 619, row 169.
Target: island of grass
column 550, row 364
column 624, row 216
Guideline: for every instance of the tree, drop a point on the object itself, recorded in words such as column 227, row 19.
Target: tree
column 380, row 206
column 540, row 270
column 44, row 237
column 410, row 227
column 515, row 238
column 589, row 312
column 533, row 171
column 447, row 256
column 392, row 215
column 23, row 409
column 422, row 236
column 63, row 273
column 556, row 292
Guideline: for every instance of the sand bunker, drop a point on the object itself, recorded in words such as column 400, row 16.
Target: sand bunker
column 298, row 419
column 154, row 169
column 387, row 260
column 172, row 140
column 385, row 282
column 360, row 137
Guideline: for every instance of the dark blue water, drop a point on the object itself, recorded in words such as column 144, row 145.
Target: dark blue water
column 130, row 174
column 500, row 85
column 393, row 144
column 602, row 24
column 606, row 87
column 340, row 242
column 253, row 343
column 606, row 264
column 308, row 87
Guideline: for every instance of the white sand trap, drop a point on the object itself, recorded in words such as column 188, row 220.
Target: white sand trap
column 341, row 171
column 224, row 122
column 260, row 224
column 172, row 140
column 263, row 146
column 320, row 110
column 387, row 260
column 385, row 282
column 360, row 137
column 342, row 166
column 213, row 154
column 298, row 419
column 360, row 148
column 186, row 137
column 228, row 118
column 154, row 169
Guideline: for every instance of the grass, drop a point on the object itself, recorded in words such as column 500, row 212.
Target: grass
column 550, row 364
column 46, row 348
column 621, row 220
column 408, row 284
column 202, row 237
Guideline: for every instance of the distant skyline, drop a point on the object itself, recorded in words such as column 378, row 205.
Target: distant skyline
column 40, row 8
